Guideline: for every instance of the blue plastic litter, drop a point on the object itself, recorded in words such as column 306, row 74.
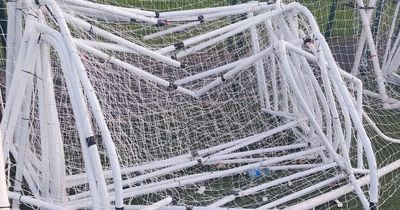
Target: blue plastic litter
column 258, row 172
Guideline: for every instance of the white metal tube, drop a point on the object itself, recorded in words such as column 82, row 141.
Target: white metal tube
column 392, row 101
column 138, row 207
column 393, row 53
column 204, row 11
column 241, row 10
column 346, row 165
column 302, row 192
column 86, row 130
column 253, row 152
column 56, row 145
column 159, row 204
column 74, row 92
column 305, row 55
column 394, row 63
column 245, row 25
column 78, row 179
column 258, row 188
column 291, row 116
column 378, row 131
column 389, row 38
column 259, row 65
column 356, row 121
column 10, row 43
column 145, row 189
column 241, row 25
column 172, row 30
column 373, row 51
column 21, row 132
column 118, row 62
column 44, row 138
column 214, row 157
column 110, row 10
column 96, row 109
column 273, row 68
column 259, row 137
column 340, row 138
column 295, row 167
column 106, row 46
column 393, row 50
column 363, row 36
column 224, row 173
column 33, row 201
column 17, row 87
column 100, row 32
column 131, row 68
column 210, row 72
column 3, row 182
column 19, row 24
column 292, row 83
column 228, row 75
column 29, row 172
column 334, row 194
column 96, row 14
column 79, row 198
column 222, row 201
column 333, row 113
column 131, row 10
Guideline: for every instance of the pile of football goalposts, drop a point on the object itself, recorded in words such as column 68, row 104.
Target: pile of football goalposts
column 239, row 107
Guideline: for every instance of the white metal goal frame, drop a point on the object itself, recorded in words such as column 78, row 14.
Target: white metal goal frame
column 312, row 98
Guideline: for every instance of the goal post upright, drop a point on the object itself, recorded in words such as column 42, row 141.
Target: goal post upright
column 4, row 202
column 332, row 153
column 259, row 67
column 358, row 125
column 363, row 38
column 390, row 37
column 368, row 38
column 74, row 89
column 10, row 43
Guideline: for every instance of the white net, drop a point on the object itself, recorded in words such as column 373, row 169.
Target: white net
column 342, row 25
column 225, row 107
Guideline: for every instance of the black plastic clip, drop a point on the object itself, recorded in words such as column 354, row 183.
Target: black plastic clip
column 90, row 141
column 223, row 78
column 200, row 18
column 161, row 23
column 179, row 45
column 307, row 40
column 366, row 8
column 372, row 206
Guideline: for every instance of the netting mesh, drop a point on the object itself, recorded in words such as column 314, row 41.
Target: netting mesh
column 167, row 140
column 150, row 123
column 343, row 36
